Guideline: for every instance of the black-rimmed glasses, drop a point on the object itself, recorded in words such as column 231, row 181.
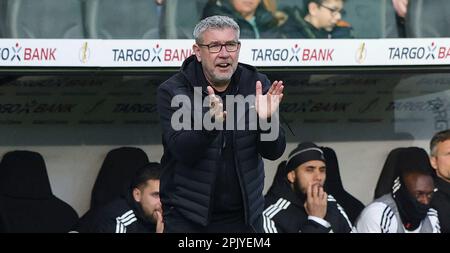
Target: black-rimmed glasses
column 334, row 11
column 216, row 47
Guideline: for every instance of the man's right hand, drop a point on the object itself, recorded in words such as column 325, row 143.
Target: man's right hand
column 216, row 106
column 157, row 215
column 316, row 201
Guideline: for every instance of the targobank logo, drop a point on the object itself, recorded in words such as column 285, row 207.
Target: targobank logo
column 293, row 54
column 413, row 53
column 17, row 53
column 153, row 54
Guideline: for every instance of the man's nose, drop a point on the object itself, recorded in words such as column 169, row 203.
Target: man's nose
column 223, row 52
column 424, row 199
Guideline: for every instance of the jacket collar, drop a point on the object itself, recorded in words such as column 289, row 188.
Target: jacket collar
column 193, row 72
column 443, row 186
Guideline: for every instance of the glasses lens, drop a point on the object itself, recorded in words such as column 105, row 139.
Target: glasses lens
column 214, row 48
column 231, row 47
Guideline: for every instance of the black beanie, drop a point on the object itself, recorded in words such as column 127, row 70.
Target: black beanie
column 304, row 152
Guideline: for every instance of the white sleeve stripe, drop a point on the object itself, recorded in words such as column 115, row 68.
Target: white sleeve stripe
column 117, row 226
column 342, row 211
column 270, row 212
column 275, row 208
column 390, row 222
column 125, row 215
column 331, row 198
column 385, row 218
column 129, row 221
column 125, row 220
column 129, row 217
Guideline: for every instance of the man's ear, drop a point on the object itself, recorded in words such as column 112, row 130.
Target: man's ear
column 291, row 176
column 433, row 161
column 137, row 195
column 313, row 8
column 196, row 50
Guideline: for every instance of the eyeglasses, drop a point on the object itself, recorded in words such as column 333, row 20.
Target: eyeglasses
column 334, row 11
column 216, row 47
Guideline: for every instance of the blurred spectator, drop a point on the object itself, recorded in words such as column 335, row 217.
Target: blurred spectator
column 271, row 5
column 428, row 19
column 400, row 7
column 254, row 20
column 321, row 19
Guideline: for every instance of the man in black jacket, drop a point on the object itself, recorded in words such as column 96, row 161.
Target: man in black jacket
column 297, row 202
column 213, row 172
column 440, row 160
column 139, row 211
column 254, row 20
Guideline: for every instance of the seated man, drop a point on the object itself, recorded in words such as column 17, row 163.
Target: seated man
column 320, row 20
column 440, row 160
column 252, row 17
column 297, row 202
column 407, row 209
column 137, row 212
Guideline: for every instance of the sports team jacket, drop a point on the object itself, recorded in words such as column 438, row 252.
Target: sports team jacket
column 285, row 213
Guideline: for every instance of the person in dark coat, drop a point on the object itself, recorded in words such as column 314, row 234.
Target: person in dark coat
column 297, row 201
column 254, row 20
column 213, row 172
column 440, row 161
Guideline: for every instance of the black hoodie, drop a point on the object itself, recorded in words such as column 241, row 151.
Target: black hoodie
column 122, row 215
column 285, row 213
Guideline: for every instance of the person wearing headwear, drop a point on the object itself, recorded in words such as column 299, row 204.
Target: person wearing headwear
column 297, row 201
column 407, row 209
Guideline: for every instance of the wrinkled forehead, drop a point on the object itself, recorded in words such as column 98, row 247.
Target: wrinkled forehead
column 416, row 182
column 219, row 34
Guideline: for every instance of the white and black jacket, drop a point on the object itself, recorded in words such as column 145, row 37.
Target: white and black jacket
column 285, row 213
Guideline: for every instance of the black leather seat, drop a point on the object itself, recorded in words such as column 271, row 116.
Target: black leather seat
column 334, row 186
column 115, row 175
column 388, row 174
column 27, row 204
column 392, row 164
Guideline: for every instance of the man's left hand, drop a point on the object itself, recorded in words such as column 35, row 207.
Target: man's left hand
column 267, row 104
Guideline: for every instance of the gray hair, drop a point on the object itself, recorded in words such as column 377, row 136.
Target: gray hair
column 438, row 138
column 214, row 22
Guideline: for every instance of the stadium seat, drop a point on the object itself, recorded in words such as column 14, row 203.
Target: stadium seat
column 428, row 19
column 114, row 178
column 119, row 19
column 388, row 174
column 391, row 166
column 181, row 16
column 44, row 19
column 27, row 203
column 334, row 186
column 116, row 173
